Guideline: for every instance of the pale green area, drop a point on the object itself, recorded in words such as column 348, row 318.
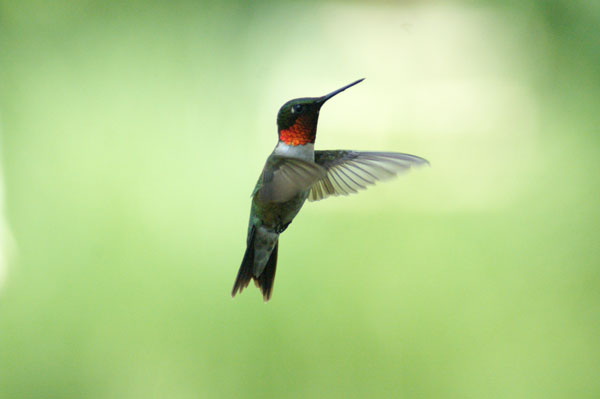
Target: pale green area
column 133, row 134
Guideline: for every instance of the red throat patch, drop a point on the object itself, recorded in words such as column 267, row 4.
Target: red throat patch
column 300, row 133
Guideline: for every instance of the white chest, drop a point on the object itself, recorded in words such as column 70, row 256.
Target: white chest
column 305, row 152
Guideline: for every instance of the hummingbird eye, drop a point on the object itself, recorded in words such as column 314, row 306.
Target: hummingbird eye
column 297, row 108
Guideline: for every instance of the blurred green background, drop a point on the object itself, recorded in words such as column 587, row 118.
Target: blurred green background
column 132, row 136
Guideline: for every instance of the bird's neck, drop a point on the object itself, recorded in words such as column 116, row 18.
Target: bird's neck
column 303, row 131
column 305, row 152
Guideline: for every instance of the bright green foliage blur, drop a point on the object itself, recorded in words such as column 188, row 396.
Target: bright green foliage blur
column 133, row 134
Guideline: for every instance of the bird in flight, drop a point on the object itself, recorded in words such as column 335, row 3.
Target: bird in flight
column 295, row 172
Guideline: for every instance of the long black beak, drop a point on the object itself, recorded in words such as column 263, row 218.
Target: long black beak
column 326, row 97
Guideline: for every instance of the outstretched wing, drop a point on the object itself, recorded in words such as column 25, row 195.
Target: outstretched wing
column 350, row 171
column 284, row 177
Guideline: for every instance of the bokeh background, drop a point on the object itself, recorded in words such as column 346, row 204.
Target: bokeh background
column 132, row 136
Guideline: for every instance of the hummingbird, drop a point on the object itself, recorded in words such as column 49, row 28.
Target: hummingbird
column 295, row 172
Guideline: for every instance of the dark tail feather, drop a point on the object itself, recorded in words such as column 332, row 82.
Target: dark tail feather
column 267, row 277
column 245, row 273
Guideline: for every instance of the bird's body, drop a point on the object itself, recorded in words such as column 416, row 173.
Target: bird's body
column 295, row 172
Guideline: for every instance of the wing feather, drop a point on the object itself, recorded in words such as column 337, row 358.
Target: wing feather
column 285, row 177
column 348, row 172
column 357, row 185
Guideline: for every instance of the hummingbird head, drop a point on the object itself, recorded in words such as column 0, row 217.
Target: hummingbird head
column 297, row 119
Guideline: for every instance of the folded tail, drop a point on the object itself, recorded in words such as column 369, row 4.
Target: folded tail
column 265, row 278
